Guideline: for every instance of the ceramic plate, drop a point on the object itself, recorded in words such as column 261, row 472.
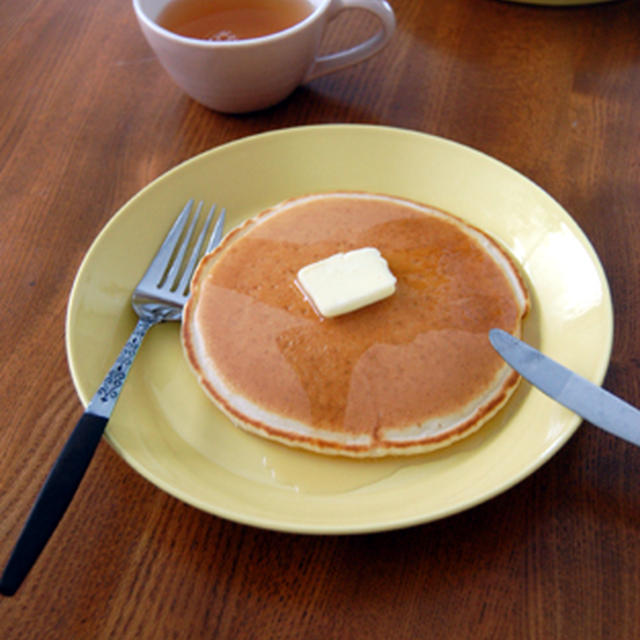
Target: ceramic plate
column 169, row 432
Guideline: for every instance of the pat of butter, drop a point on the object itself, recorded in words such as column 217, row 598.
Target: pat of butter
column 347, row 281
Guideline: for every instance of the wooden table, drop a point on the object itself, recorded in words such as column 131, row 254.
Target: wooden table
column 89, row 118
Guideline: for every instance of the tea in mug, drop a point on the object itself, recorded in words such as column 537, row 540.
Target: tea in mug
column 221, row 20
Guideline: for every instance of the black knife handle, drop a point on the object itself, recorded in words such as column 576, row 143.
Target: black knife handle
column 53, row 499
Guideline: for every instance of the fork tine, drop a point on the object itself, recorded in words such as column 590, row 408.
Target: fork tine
column 172, row 276
column 158, row 265
column 195, row 254
column 217, row 232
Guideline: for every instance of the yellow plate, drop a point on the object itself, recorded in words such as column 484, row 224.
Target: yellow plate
column 167, row 430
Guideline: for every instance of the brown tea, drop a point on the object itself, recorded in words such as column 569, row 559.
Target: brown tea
column 232, row 19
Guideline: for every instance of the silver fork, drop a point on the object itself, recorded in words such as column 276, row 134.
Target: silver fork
column 158, row 297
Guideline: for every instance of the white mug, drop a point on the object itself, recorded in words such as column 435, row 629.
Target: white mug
column 246, row 75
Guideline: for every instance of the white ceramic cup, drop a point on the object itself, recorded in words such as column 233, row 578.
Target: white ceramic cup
column 246, row 75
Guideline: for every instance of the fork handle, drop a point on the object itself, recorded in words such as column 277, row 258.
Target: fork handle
column 53, row 499
column 68, row 470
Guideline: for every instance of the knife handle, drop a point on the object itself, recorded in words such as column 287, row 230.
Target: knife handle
column 53, row 499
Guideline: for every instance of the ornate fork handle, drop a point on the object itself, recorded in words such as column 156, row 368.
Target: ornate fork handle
column 105, row 398
column 71, row 465
column 159, row 296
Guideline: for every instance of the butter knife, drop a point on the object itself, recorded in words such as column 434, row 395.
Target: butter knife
column 591, row 402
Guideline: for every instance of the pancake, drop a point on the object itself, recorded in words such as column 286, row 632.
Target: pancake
column 408, row 374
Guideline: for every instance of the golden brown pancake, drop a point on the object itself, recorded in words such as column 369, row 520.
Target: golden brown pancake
column 407, row 374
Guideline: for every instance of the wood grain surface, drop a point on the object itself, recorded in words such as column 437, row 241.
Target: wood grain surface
column 89, row 118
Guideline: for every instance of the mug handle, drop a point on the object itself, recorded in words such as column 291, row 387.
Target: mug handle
column 335, row 61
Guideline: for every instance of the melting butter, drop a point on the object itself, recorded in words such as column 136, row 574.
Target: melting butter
column 348, row 281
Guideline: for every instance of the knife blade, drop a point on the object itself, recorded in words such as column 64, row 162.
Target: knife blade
column 593, row 403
